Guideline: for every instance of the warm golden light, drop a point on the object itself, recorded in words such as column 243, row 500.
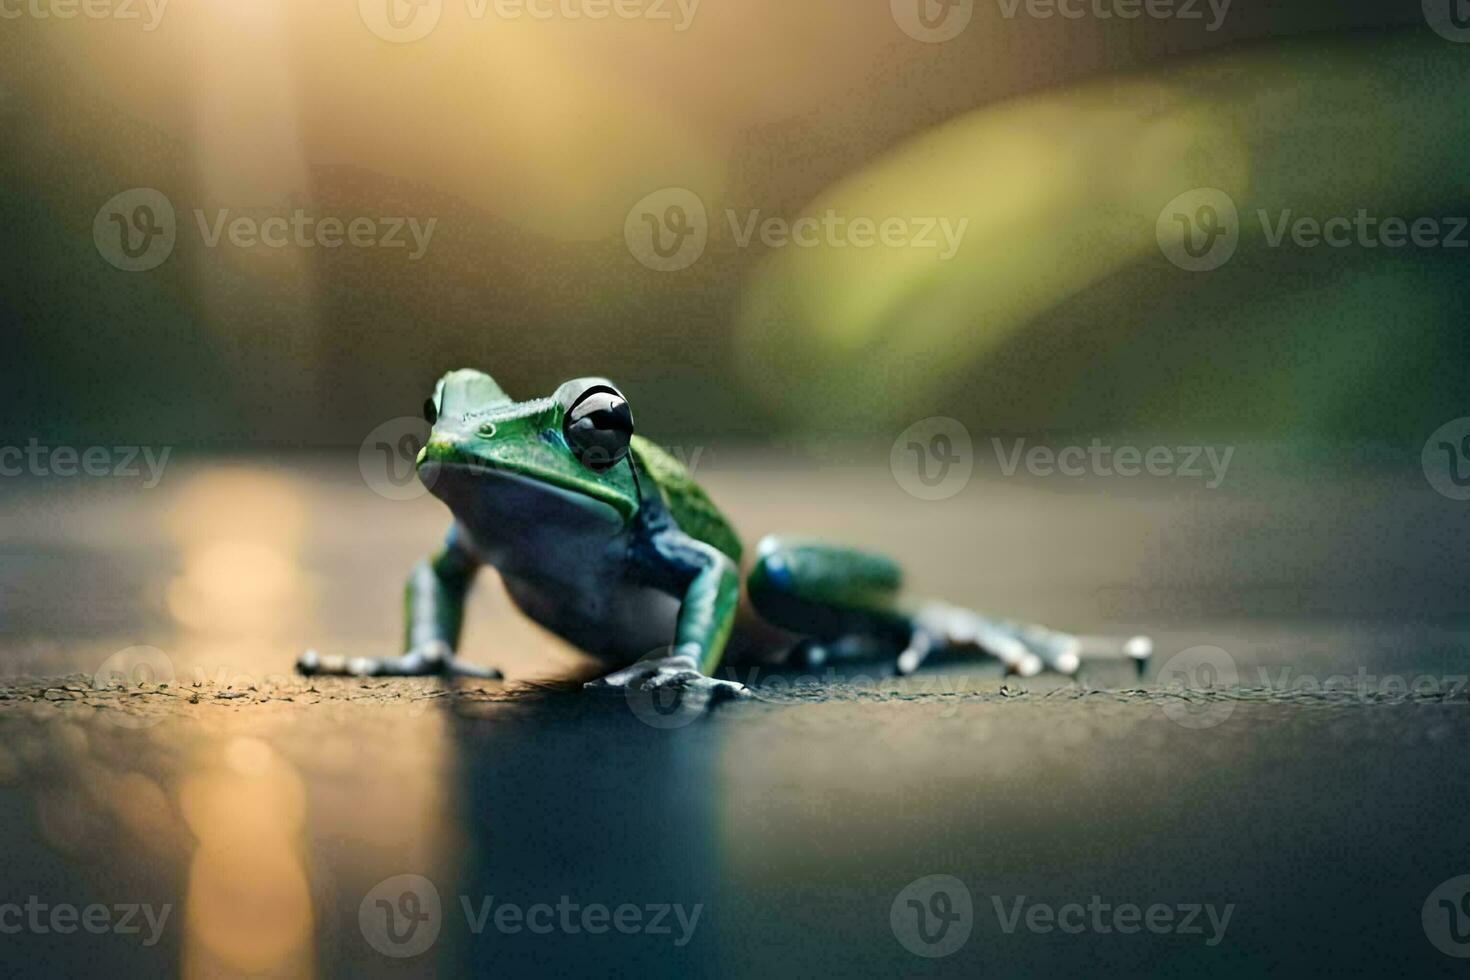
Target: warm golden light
column 240, row 587
column 248, row 905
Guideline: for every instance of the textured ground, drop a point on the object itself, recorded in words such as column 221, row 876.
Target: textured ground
column 154, row 748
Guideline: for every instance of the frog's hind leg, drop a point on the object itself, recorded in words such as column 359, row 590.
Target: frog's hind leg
column 848, row 602
column 843, row 603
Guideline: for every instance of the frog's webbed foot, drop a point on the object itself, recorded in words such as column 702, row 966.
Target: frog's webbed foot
column 429, row 659
column 676, row 672
column 939, row 628
column 1024, row 649
column 940, row 632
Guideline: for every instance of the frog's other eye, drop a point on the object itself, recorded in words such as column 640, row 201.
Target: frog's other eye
column 431, row 411
column 598, row 427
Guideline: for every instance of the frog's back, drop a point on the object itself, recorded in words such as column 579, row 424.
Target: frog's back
column 690, row 506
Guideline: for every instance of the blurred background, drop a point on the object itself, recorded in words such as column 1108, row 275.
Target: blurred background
column 533, row 145
column 251, row 233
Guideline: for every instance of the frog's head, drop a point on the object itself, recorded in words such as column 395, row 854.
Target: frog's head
column 563, row 454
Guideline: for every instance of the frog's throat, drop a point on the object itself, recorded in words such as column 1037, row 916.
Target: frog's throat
column 440, row 475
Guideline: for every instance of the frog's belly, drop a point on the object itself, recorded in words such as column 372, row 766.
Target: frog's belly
column 621, row 623
column 562, row 556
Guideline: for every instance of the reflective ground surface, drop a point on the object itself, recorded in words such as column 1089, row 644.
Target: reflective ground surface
column 215, row 816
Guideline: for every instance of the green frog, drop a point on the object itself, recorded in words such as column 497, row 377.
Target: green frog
column 605, row 539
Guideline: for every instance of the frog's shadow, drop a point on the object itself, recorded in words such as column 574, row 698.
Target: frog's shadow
column 563, row 792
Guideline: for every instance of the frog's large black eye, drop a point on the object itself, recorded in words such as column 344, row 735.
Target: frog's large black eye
column 431, row 411
column 598, row 427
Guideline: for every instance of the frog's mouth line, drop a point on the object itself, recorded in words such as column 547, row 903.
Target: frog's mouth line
column 440, row 478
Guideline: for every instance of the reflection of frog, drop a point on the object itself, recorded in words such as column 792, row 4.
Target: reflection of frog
column 604, row 539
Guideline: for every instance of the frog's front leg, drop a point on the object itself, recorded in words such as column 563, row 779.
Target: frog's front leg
column 711, row 593
column 433, row 607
